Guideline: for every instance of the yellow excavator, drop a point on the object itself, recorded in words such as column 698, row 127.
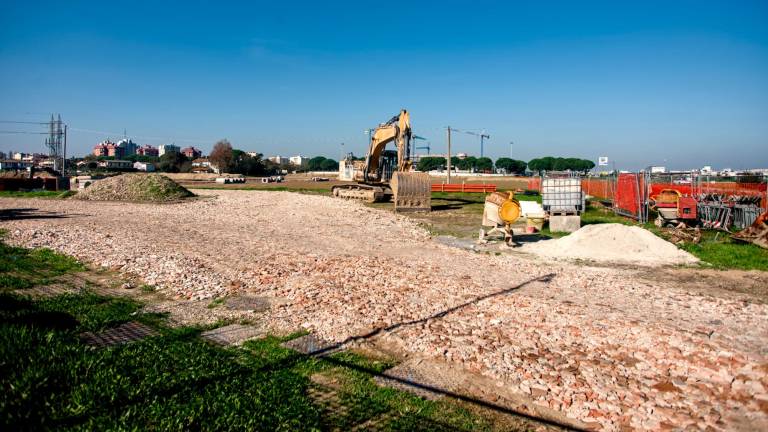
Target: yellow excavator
column 387, row 173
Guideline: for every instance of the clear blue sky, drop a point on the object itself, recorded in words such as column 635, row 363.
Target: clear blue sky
column 681, row 83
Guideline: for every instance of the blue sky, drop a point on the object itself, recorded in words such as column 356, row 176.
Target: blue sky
column 677, row 83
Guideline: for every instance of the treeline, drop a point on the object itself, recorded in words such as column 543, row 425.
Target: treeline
column 319, row 163
column 511, row 166
column 470, row 163
column 550, row 163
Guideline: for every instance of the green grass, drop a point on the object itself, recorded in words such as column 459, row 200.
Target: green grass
column 721, row 252
column 23, row 268
column 36, row 194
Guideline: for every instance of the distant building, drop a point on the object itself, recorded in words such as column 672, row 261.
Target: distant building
column 657, row 169
column 253, row 154
column 191, row 152
column 128, row 147
column 12, row 164
column 45, row 163
column 147, row 150
column 144, row 166
column 116, row 164
column 108, row 148
column 99, row 149
column 20, row 156
column 203, row 165
column 167, row 148
column 298, row 160
column 115, row 151
column 280, row 160
column 2, row 155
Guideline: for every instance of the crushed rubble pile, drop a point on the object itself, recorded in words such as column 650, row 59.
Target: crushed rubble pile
column 599, row 344
column 612, row 242
column 135, row 187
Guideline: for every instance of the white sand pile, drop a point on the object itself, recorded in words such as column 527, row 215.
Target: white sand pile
column 613, row 243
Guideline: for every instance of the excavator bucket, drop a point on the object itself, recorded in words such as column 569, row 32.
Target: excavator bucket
column 412, row 191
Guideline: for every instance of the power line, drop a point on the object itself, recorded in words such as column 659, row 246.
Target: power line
column 141, row 137
column 23, row 122
column 24, row 132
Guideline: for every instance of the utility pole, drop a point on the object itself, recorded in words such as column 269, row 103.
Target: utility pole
column 448, row 159
column 64, row 156
column 510, row 149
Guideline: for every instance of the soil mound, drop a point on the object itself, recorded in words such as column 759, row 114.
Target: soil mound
column 135, row 187
column 613, row 243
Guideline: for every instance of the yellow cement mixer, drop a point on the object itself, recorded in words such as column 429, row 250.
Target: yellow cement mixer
column 500, row 212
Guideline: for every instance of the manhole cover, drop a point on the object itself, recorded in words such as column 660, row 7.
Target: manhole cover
column 124, row 333
column 312, row 345
column 256, row 304
column 233, row 334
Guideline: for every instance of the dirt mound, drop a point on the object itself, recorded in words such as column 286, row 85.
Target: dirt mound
column 613, row 243
column 135, row 187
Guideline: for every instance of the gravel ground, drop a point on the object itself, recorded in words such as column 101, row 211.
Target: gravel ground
column 603, row 345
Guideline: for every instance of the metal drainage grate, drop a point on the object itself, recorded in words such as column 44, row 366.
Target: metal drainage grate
column 311, row 345
column 233, row 334
column 124, row 333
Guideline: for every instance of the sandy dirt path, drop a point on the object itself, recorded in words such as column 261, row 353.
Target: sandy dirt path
column 607, row 346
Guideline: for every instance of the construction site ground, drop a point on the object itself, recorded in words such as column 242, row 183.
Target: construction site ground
column 601, row 347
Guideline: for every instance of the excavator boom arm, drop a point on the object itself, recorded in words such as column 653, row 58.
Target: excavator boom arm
column 397, row 129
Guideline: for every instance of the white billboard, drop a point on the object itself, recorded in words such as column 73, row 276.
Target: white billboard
column 602, row 161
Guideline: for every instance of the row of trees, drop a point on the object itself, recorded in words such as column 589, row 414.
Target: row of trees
column 319, row 163
column 482, row 164
column 550, row 163
column 510, row 165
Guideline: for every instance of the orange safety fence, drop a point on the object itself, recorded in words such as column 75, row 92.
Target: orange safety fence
column 534, row 183
column 607, row 188
column 599, row 188
column 464, row 187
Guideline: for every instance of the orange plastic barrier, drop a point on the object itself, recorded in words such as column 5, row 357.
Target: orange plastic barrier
column 600, row 188
column 534, row 183
column 470, row 187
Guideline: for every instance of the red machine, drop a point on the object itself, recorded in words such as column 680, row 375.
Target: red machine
column 673, row 208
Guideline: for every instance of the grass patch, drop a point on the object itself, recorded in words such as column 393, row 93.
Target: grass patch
column 23, row 268
column 216, row 302
column 148, row 288
column 720, row 251
column 36, row 194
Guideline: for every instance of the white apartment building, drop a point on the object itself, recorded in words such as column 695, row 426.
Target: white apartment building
column 279, row 159
column 298, row 160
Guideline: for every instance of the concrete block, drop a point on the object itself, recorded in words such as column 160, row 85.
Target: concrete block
column 564, row 223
